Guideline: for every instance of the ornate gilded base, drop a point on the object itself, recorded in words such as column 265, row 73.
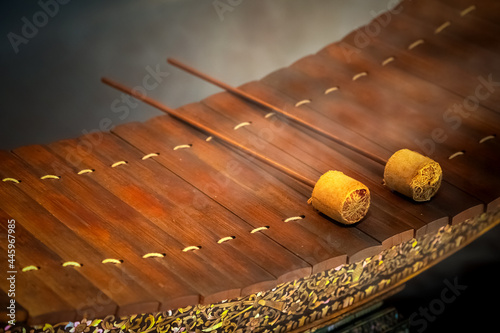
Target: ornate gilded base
column 320, row 300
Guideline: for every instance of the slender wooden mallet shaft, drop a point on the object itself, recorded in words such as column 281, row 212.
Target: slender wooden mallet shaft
column 335, row 194
column 208, row 130
column 258, row 101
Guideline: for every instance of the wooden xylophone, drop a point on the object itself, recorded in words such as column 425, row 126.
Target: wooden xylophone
column 159, row 215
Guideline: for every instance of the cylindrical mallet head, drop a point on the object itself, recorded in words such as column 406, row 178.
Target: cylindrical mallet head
column 340, row 197
column 413, row 175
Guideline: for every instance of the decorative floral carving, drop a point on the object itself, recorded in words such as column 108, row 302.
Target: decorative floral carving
column 297, row 303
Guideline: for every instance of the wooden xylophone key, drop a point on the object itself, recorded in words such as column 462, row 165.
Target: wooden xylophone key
column 477, row 85
column 51, row 292
column 177, row 207
column 452, row 202
column 412, row 60
column 282, row 150
column 390, row 99
column 450, row 199
column 305, row 148
column 275, row 97
column 312, row 125
column 284, row 143
column 393, row 173
column 182, row 270
column 399, row 132
column 351, row 197
column 232, row 130
column 335, row 51
column 319, row 151
column 78, row 204
column 24, row 288
column 387, row 236
column 474, row 127
column 402, row 131
column 386, row 99
column 472, row 171
column 469, row 70
column 470, row 45
column 39, row 222
column 482, row 9
column 443, row 19
column 244, row 187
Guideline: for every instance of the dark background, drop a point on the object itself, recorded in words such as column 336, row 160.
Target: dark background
column 50, row 90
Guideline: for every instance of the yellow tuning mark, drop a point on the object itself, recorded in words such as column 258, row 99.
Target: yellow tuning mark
column 294, row 218
column 191, row 248
column 112, row 261
column 302, row 102
column 332, row 89
column 153, row 255
column 71, row 263
column 30, row 268
column 225, row 239
column 387, row 61
column 8, row 179
column 81, row 172
column 359, row 75
column 415, row 44
column 258, row 229
column 467, row 10
column 145, row 157
column 240, row 125
column 183, row 146
column 114, row 165
column 50, row 177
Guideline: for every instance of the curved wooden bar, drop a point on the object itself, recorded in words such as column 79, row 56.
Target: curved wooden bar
column 211, row 203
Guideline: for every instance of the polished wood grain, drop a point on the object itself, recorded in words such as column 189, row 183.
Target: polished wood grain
column 210, row 202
